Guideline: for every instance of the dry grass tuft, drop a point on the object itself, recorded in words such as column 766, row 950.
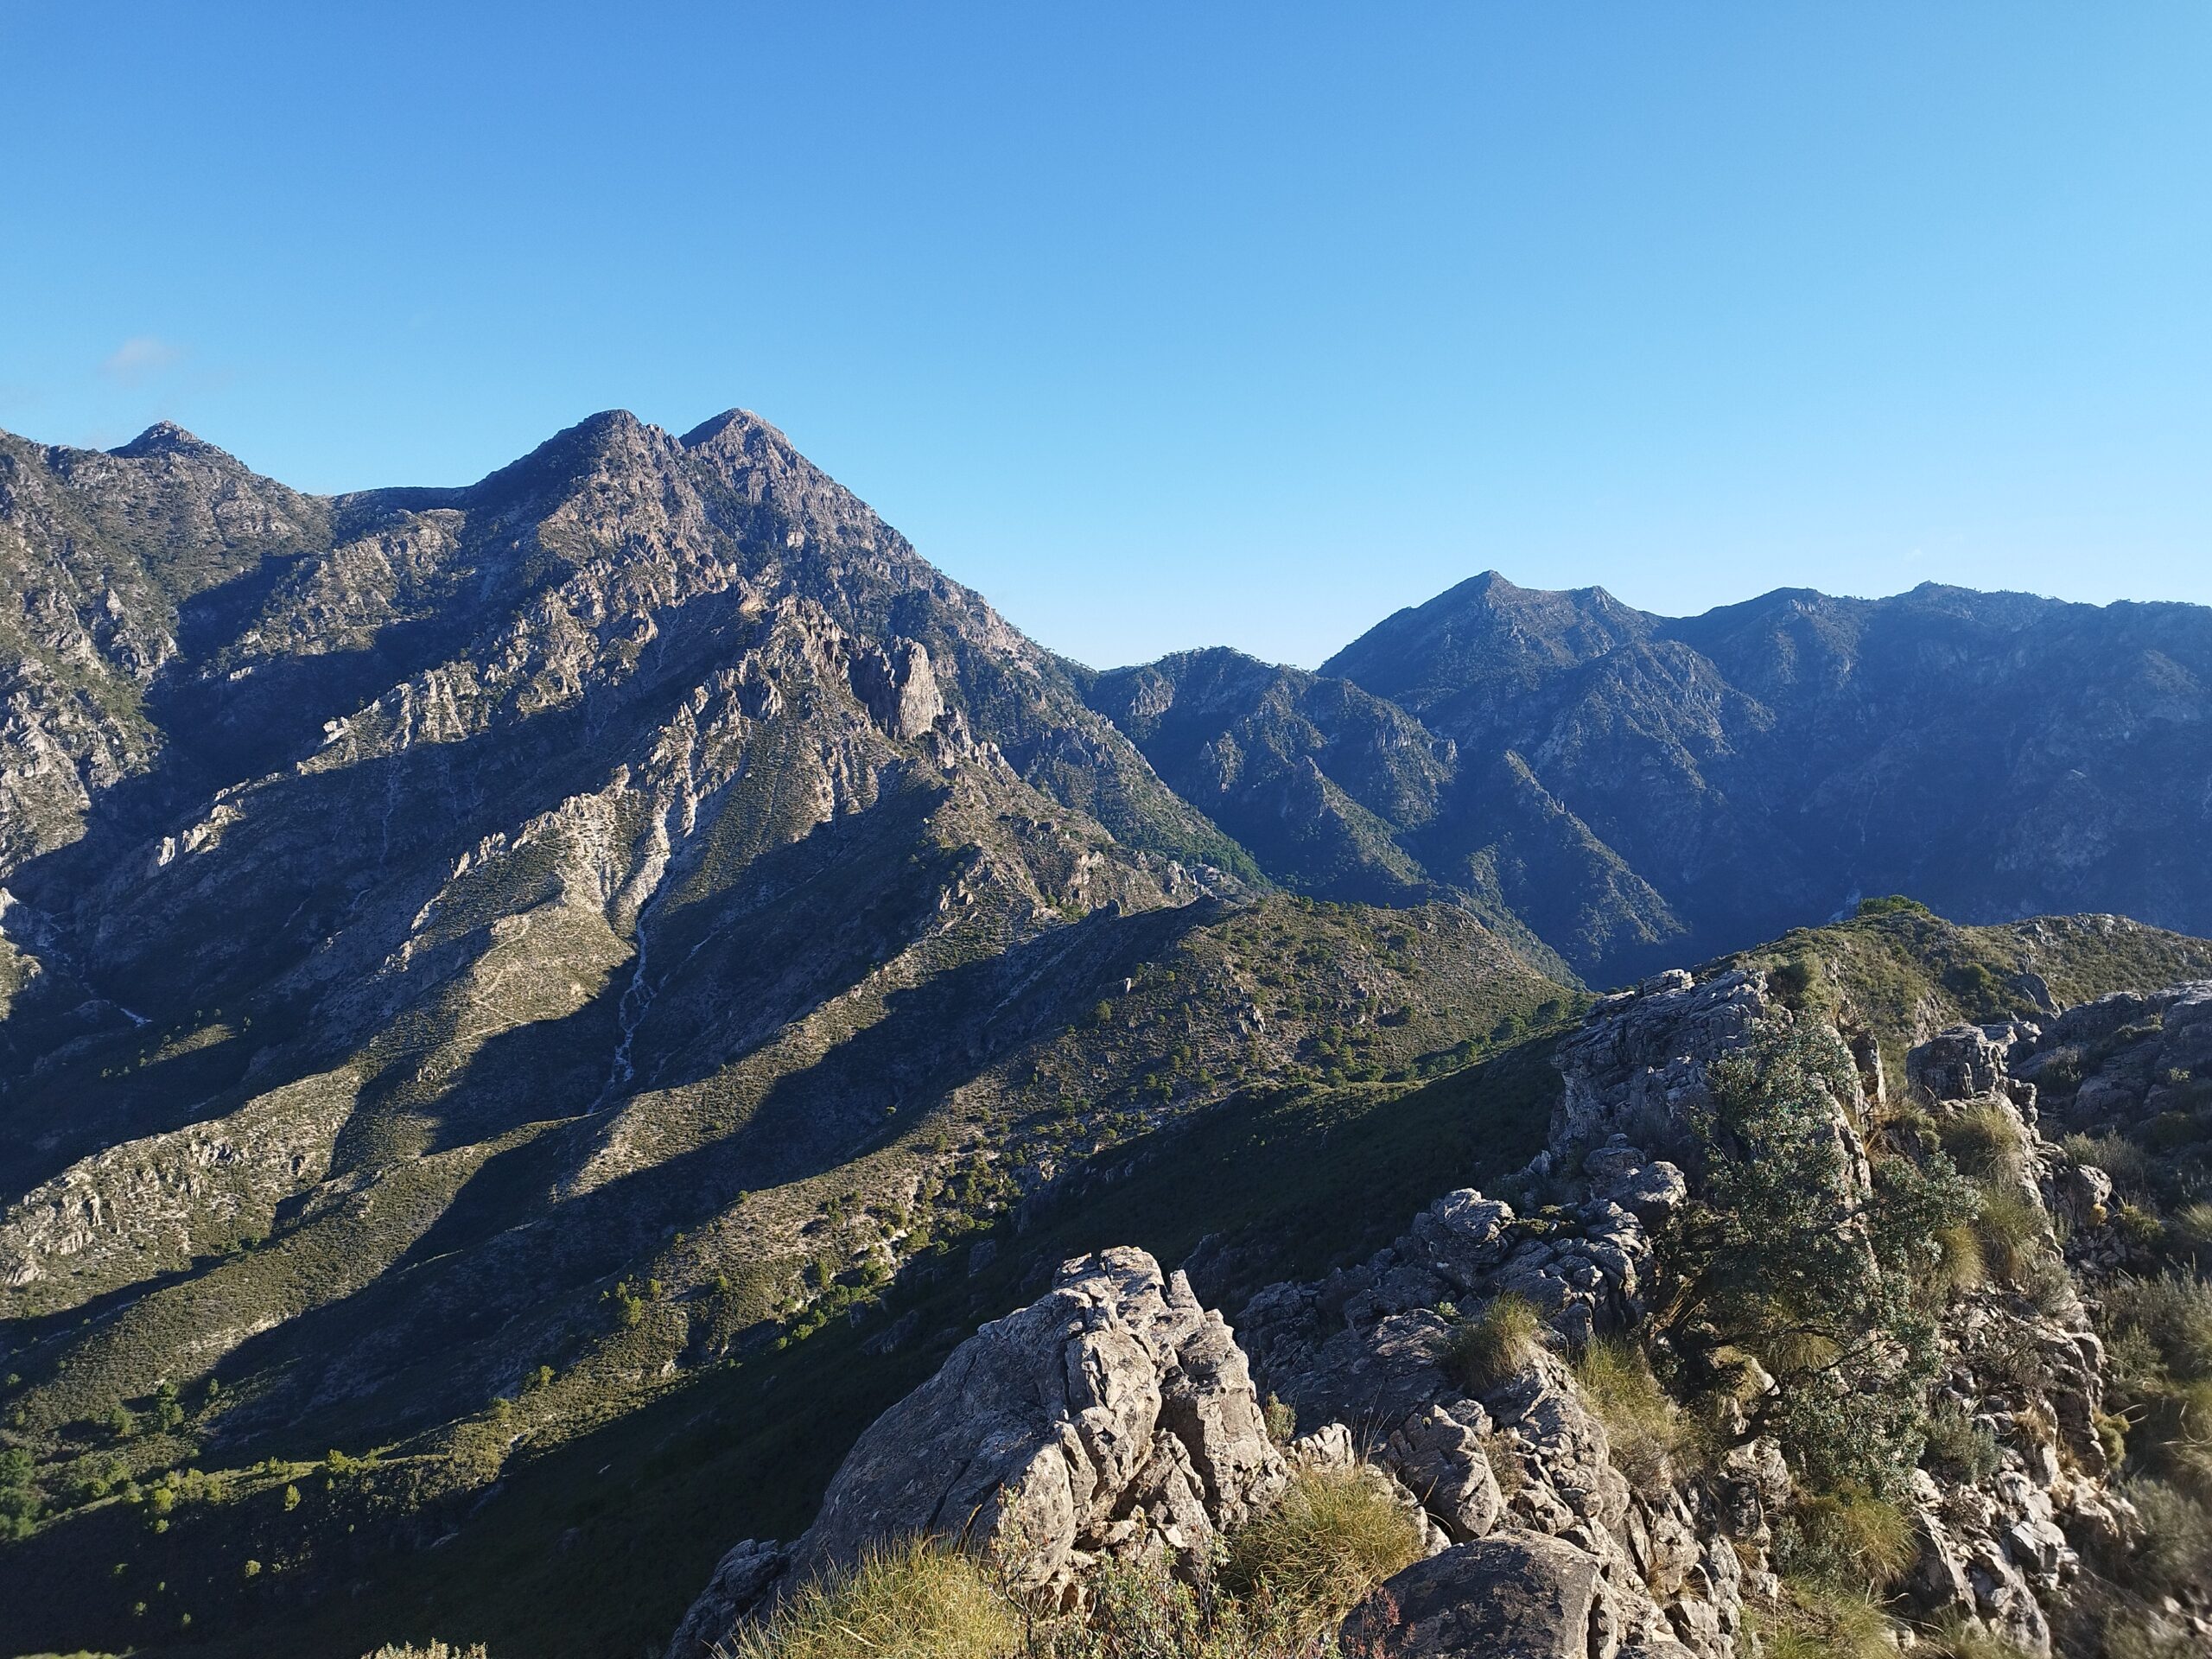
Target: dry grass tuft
column 915, row 1599
column 1480, row 1353
column 1333, row 1537
column 1648, row 1430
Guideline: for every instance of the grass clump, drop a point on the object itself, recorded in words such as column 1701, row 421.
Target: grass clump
column 1333, row 1537
column 2008, row 1228
column 1480, row 1353
column 1985, row 1141
column 1848, row 1543
column 1956, row 1639
column 1647, row 1428
column 1815, row 1622
column 433, row 1650
column 915, row 1599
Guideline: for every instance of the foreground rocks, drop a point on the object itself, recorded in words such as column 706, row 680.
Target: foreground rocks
column 1115, row 1416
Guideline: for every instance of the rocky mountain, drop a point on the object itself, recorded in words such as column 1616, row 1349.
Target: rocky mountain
column 1641, row 789
column 530, row 1013
column 595, row 923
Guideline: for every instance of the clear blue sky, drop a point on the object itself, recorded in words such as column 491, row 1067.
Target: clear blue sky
column 1181, row 324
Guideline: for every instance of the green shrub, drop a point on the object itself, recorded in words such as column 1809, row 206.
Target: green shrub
column 2174, row 1548
column 1789, row 981
column 1282, row 1420
column 1957, row 1447
column 915, row 1599
column 1893, row 903
column 1773, row 1260
column 1480, row 1353
column 1647, row 1429
column 1333, row 1536
column 2173, row 1313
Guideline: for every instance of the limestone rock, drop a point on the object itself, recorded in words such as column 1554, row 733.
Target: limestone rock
column 1514, row 1595
column 743, row 1579
column 1113, row 1397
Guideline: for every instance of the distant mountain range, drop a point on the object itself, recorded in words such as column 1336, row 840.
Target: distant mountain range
column 1637, row 788
column 566, row 933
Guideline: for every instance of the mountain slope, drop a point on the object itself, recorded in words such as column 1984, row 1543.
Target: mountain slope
column 1637, row 789
column 592, row 925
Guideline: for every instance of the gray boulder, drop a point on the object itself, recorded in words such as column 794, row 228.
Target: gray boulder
column 1513, row 1595
column 1114, row 1412
column 744, row 1578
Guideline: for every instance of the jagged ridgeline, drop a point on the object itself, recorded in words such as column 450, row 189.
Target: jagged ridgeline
column 531, row 1014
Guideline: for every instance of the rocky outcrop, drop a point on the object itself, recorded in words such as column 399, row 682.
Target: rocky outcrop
column 1113, row 1416
column 1637, row 1067
column 1528, row 1455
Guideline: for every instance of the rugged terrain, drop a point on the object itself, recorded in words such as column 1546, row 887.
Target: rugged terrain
column 530, row 1013
column 1643, row 790
column 1866, row 1368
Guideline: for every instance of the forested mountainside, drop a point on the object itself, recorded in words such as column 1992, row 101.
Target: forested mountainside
column 1641, row 788
column 528, row 1014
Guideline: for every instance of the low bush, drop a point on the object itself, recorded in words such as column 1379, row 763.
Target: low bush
column 1333, row 1536
column 1957, row 1447
column 916, row 1599
column 2174, row 1548
column 2173, row 1313
column 1648, row 1430
column 1478, row 1354
column 2127, row 1164
column 434, row 1650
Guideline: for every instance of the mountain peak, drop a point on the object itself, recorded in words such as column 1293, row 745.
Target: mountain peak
column 732, row 429
column 166, row 438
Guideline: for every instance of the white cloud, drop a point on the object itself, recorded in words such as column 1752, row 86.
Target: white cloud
column 139, row 359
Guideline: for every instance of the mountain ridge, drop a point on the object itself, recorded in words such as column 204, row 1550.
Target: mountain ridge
column 478, row 964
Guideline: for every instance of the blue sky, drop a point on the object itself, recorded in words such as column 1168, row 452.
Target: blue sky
column 1184, row 324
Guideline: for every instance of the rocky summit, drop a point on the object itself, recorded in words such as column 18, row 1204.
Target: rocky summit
column 607, row 1061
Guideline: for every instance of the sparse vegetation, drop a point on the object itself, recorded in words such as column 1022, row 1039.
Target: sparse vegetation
column 917, row 1598
column 1332, row 1537
column 1648, row 1431
column 1479, row 1353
